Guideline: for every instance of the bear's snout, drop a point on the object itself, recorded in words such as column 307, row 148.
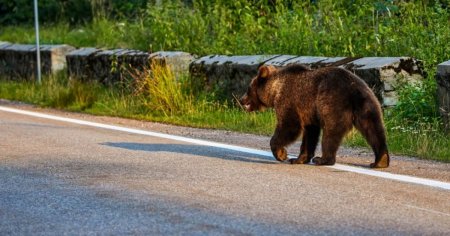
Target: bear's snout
column 245, row 103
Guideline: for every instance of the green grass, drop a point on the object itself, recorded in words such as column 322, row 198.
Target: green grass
column 55, row 91
column 59, row 92
column 101, row 32
column 423, row 140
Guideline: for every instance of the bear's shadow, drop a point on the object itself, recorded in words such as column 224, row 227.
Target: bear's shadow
column 197, row 150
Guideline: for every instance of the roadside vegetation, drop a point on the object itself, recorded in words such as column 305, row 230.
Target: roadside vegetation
column 157, row 96
column 419, row 29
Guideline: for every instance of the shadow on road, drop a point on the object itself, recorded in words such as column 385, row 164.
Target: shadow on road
column 197, row 150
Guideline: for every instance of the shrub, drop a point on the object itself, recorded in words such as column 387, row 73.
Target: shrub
column 417, row 103
column 22, row 11
column 71, row 11
column 162, row 91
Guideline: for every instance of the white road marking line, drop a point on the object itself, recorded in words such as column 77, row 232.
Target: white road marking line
column 380, row 174
column 427, row 210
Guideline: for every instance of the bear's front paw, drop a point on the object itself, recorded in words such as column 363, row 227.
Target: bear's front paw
column 280, row 154
column 320, row 161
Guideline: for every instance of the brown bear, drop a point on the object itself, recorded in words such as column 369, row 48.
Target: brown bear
column 330, row 99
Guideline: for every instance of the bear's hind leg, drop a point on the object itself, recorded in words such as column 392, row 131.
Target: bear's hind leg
column 372, row 129
column 311, row 135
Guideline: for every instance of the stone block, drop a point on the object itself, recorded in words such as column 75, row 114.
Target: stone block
column 311, row 62
column 106, row 66
column 54, row 57
column 314, row 62
column 4, row 44
column 228, row 74
column 79, row 63
column 177, row 61
column 4, row 62
column 386, row 74
column 280, row 60
column 443, row 92
column 18, row 61
column 119, row 65
column 133, row 60
column 127, row 64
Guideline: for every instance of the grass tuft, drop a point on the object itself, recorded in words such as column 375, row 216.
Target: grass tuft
column 162, row 92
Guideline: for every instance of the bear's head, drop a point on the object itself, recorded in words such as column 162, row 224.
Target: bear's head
column 251, row 101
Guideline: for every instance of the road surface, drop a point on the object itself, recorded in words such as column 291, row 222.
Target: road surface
column 63, row 178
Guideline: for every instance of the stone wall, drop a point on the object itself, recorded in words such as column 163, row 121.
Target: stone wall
column 443, row 92
column 18, row 61
column 228, row 74
column 113, row 66
column 104, row 66
column 383, row 74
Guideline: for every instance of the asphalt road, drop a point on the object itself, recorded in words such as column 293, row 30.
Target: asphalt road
column 62, row 178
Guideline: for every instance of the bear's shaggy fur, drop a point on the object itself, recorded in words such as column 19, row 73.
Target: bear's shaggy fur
column 330, row 99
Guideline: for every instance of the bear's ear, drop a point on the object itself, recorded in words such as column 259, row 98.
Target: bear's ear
column 266, row 71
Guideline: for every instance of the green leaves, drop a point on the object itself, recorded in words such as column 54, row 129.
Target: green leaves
column 416, row 103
